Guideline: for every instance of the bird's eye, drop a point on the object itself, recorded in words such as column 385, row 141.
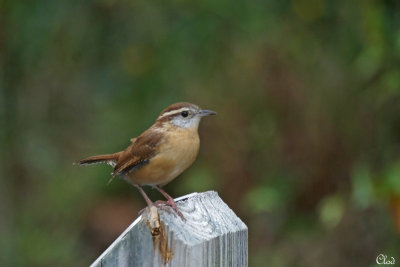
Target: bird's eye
column 184, row 114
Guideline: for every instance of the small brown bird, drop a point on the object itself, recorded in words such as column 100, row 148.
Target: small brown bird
column 160, row 153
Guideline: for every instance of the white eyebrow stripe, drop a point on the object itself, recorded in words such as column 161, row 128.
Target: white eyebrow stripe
column 173, row 112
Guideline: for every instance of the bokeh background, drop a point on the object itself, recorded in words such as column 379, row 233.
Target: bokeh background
column 305, row 147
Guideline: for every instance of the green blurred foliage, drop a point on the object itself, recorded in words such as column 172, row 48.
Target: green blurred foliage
column 305, row 147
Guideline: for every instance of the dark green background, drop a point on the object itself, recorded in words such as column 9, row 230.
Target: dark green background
column 305, row 147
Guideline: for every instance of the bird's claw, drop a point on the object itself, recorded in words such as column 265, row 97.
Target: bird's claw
column 164, row 204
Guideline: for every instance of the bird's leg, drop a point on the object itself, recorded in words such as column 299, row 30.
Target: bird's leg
column 170, row 202
column 150, row 203
column 146, row 198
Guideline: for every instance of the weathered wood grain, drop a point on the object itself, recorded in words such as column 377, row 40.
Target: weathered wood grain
column 212, row 235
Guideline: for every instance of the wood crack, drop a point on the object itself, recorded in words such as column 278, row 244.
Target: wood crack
column 159, row 234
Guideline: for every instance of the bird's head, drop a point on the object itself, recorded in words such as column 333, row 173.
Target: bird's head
column 184, row 115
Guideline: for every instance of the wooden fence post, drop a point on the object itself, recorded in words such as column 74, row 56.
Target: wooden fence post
column 212, row 235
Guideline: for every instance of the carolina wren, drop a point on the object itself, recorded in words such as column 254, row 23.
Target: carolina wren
column 160, row 153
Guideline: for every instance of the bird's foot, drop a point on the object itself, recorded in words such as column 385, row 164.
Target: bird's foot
column 163, row 205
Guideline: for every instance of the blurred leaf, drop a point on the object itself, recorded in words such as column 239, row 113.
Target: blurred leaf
column 392, row 81
column 392, row 178
column 331, row 210
column 369, row 60
column 263, row 199
column 362, row 186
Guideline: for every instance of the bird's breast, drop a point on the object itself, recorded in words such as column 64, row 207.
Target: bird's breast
column 175, row 153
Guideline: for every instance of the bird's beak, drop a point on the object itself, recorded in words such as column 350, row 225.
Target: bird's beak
column 205, row 112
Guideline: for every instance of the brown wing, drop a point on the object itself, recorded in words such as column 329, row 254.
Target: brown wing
column 138, row 154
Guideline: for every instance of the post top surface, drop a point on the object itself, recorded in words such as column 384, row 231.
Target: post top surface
column 207, row 217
